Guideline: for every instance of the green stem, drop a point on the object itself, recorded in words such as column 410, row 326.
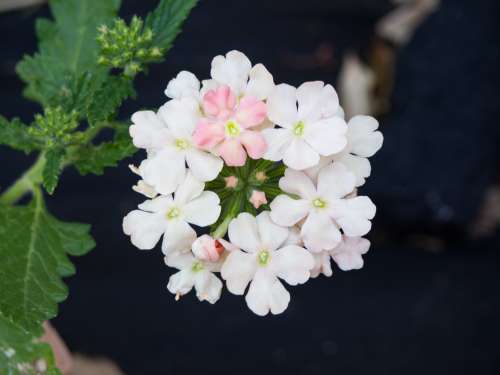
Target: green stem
column 221, row 230
column 24, row 184
column 234, row 209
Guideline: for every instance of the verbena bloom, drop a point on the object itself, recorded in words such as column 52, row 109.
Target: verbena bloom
column 325, row 207
column 309, row 124
column 195, row 273
column 262, row 261
column 172, row 217
column 167, row 137
column 363, row 141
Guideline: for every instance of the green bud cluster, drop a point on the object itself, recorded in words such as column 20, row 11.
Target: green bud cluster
column 55, row 127
column 127, row 47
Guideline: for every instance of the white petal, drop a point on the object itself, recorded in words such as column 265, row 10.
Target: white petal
column 144, row 228
column 319, row 232
column 204, row 210
column 316, row 101
column 189, row 189
column 278, row 141
column 286, row 211
column 363, row 139
column 208, row 286
column 314, row 171
column 164, row 171
column 231, row 70
column 243, row 232
column 181, row 116
column 294, row 237
column 203, row 165
column 282, row 105
column 178, row 238
column 326, row 136
column 292, row 264
column 271, row 234
column 335, row 181
column 348, row 254
column 207, row 85
column 145, row 128
column 184, row 85
column 353, row 215
column 299, row 155
column 261, row 83
column 179, row 260
column 238, row 269
column 358, row 165
column 181, row 282
column 267, row 293
column 298, row 183
column 322, row 264
column 158, row 205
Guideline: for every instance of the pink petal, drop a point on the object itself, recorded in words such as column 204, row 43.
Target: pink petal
column 254, row 143
column 207, row 134
column 233, row 153
column 250, row 112
column 219, row 103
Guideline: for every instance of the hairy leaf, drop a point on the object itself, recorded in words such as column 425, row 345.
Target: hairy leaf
column 166, row 20
column 34, row 249
column 67, row 49
column 15, row 134
column 93, row 159
column 20, row 354
column 52, row 168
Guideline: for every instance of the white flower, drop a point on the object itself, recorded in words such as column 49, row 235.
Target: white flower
column 167, row 136
column 307, row 131
column 185, row 85
column 194, row 272
column 171, row 217
column 322, row 264
column 142, row 187
column 262, row 261
column 325, row 207
column 363, row 141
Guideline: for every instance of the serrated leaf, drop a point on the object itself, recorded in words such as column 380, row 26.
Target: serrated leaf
column 34, row 248
column 52, row 169
column 166, row 21
column 19, row 352
column 93, row 159
column 15, row 135
column 67, row 49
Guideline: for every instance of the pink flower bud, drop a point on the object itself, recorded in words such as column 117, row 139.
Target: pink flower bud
column 207, row 248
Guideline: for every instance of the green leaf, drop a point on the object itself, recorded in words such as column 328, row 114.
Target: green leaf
column 166, row 21
column 34, row 248
column 20, row 354
column 67, row 49
column 52, row 168
column 15, row 135
column 93, row 159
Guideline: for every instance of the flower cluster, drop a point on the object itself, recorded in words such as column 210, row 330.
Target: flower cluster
column 274, row 167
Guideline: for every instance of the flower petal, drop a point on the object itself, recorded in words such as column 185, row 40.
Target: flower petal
column 326, row 136
column 299, row 155
column 358, row 165
column 208, row 286
column 319, row 232
column 363, row 139
column 251, row 112
column 266, row 293
column 178, row 238
column 179, row 260
column 164, row 171
column 282, row 106
column 157, row 205
column 292, row 264
column 322, row 264
column 271, row 234
column 260, row 83
column 353, row 215
column 204, row 210
column 313, row 172
column 144, row 228
column 145, row 129
column 231, row 70
column 278, row 141
column 189, row 189
column 348, row 254
column 254, row 143
column 219, row 103
column 316, row 100
column 335, row 181
column 243, row 232
column 286, row 211
column 185, row 84
column 232, row 152
column 208, row 134
column 298, row 183
column 203, row 165
column 238, row 269
column 181, row 282
column 181, row 116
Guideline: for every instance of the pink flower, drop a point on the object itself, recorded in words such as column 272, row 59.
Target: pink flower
column 258, row 198
column 225, row 129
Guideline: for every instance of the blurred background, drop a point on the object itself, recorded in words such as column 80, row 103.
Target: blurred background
column 427, row 300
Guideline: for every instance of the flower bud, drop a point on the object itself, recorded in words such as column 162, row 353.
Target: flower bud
column 207, row 248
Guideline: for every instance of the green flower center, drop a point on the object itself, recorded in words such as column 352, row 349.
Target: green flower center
column 232, row 128
column 173, row 213
column 197, row 266
column 263, row 257
column 298, row 129
column 181, row 144
column 319, row 203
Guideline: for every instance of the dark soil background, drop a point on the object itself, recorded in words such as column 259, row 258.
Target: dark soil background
column 415, row 308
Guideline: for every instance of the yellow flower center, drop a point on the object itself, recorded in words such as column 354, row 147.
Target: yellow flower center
column 197, row 266
column 298, row 129
column 319, row 203
column 173, row 213
column 232, row 128
column 263, row 257
column 181, row 144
